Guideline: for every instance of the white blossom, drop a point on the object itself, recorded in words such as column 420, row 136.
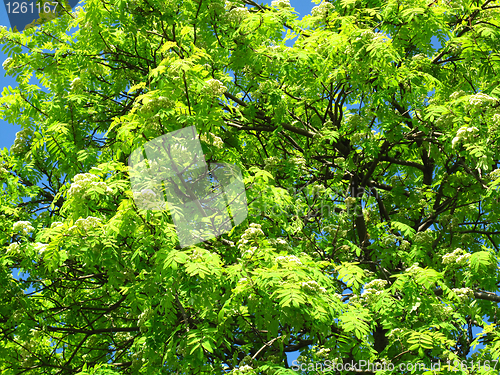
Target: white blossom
column 280, row 242
column 377, row 284
column 313, row 286
column 322, row 9
column 419, row 57
column 494, row 174
column 8, row 61
column 23, row 226
column 249, row 252
column 242, row 370
column 14, row 247
column 414, row 268
column 146, row 199
column 323, row 352
column 371, row 295
column 288, row 259
column 423, row 237
column 83, row 182
column 350, row 202
column 215, row 88
column 280, row 3
column 251, row 234
column 22, row 142
column 495, row 119
column 396, row 332
column 480, row 98
column 40, row 247
column 197, row 254
column 85, row 225
column 153, row 105
column 76, row 84
column 236, row 15
column 212, row 139
column 229, row 5
column 457, row 94
column 56, row 224
column 463, row 293
column 458, row 256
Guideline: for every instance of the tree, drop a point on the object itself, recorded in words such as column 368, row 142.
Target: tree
column 370, row 161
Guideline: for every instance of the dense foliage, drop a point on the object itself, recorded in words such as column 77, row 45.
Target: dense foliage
column 370, row 160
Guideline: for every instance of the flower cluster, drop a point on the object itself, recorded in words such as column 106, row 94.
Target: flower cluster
column 280, row 242
column 405, row 245
column 22, row 142
column 76, row 84
column 23, row 226
column 280, row 3
column 389, row 240
column 236, row 15
column 40, row 247
column 250, row 235
column 445, row 120
column 350, row 202
column 423, row 238
column 212, row 139
column 457, row 94
column 249, row 252
column 83, row 181
column 3, row 172
column 242, row 370
column 377, row 284
column 271, row 162
column 123, row 336
column 414, row 268
column 354, row 120
column 463, row 293
column 85, row 225
column 313, row 286
column 458, row 256
column 368, row 34
column 494, row 174
column 442, row 311
column 197, row 254
column 322, row 10
column 288, row 259
column 323, row 353
column 396, row 332
column 229, row 5
column 317, row 189
column 215, row 88
column 495, row 119
column 477, row 100
column 371, row 295
column 449, row 221
column 56, row 224
column 464, row 134
column 8, row 61
column 349, row 51
column 14, row 247
column 155, row 104
column 146, row 199
column 419, row 57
